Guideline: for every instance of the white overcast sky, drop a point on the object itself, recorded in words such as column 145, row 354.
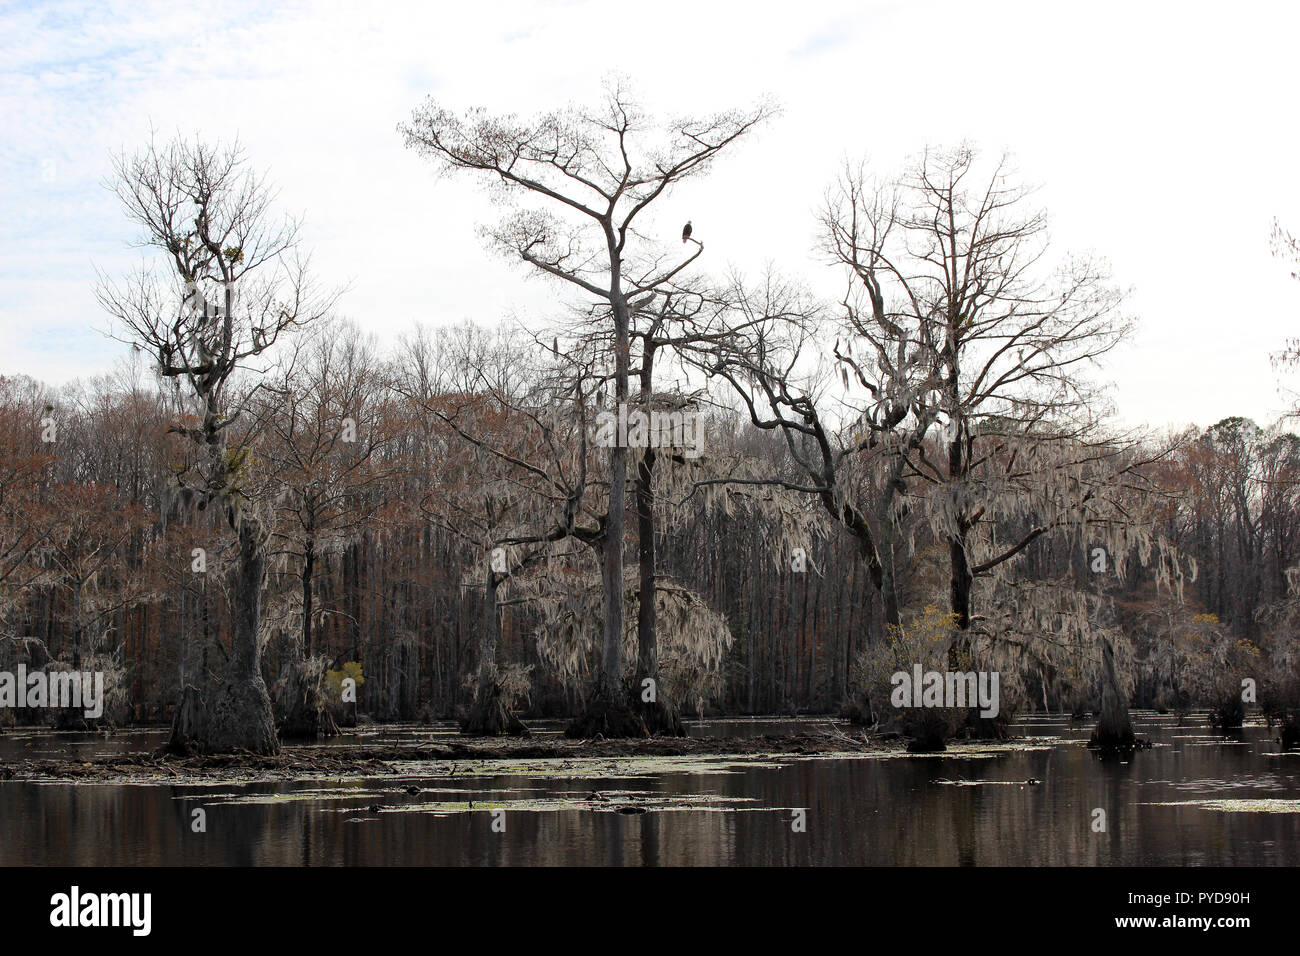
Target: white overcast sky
column 1163, row 136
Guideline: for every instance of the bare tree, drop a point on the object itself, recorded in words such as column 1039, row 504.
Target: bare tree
column 966, row 410
column 1006, row 338
column 229, row 291
column 1286, row 247
column 676, row 327
column 512, row 480
column 30, row 521
column 327, row 426
column 1010, row 341
column 590, row 175
column 775, row 364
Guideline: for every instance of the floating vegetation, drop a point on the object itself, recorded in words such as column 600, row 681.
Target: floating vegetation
column 558, row 760
column 628, row 804
column 1224, row 743
column 572, row 768
column 1262, row 781
column 377, row 800
column 945, row 782
column 1264, row 805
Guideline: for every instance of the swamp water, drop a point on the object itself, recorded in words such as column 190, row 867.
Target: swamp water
column 1195, row 798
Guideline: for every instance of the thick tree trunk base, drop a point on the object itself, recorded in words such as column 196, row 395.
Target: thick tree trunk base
column 72, row 719
column 1114, row 726
column 187, row 724
column 858, row 712
column 301, row 711
column 304, row 722
column 601, row 717
column 928, row 743
column 1117, row 737
column 1114, row 729
column 239, row 718
column 1113, row 739
column 986, row 728
column 489, row 717
column 1229, row 715
column 660, row 717
column 928, row 731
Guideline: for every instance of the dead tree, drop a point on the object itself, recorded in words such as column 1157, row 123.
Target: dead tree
column 230, row 291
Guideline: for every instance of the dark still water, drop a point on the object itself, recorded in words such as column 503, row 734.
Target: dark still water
column 1194, row 799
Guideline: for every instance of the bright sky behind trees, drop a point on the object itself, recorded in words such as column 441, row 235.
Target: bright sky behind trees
column 1162, row 136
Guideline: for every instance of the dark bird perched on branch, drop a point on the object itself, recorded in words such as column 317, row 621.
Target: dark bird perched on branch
column 686, row 232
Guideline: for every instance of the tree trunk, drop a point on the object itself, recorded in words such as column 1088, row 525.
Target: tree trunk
column 647, row 640
column 187, row 723
column 1114, row 729
column 308, row 567
column 607, row 712
column 239, row 715
column 961, row 579
column 611, row 658
column 887, row 580
column 960, row 585
column 489, row 715
column 960, row 576
column 659, row 713
column 305, row 714
column 76, row 626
